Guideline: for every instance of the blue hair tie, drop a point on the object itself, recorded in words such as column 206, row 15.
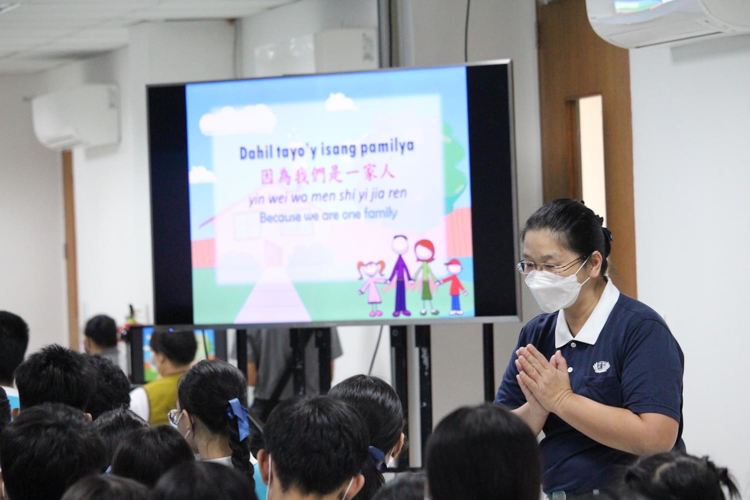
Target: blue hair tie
column 237, row 410
column 378, row 456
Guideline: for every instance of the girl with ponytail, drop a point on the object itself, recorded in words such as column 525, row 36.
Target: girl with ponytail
column 212, row 415
column 380, row 408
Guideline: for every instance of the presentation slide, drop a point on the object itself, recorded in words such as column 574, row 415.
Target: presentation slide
column 331, row 198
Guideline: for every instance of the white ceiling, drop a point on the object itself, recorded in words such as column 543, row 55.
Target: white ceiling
column 43, row 34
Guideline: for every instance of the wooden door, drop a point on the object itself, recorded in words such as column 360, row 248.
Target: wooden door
column 574, row 63
column 71, row 263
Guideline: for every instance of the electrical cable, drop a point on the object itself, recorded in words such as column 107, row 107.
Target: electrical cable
column 466, row 32
column 375, row 354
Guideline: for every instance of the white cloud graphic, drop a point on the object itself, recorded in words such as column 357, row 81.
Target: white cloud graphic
column 258, row 119
column 201, row 175
column 339, row 102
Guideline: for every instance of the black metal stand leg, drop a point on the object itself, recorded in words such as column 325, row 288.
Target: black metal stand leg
column 297, row 340
column 400, row 382
column 423, row 344
column 488, row 349
column 242, row 351
column 323, row 343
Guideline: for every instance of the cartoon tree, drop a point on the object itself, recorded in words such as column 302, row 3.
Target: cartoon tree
column 455, row 180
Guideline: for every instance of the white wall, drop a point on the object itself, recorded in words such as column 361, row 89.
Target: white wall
column 112, row 183
column 32, row 265
column 691, row 133
column 497, row 30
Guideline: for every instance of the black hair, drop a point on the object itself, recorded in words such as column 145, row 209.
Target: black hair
column 204, row 392
column 55, row 374
column 203, row 481
column 111, row 390
column 576, row 227
column 114, row 425
column 479, row 452
column 4, row 409
column 46, row 449
column 105, row 487
column 407, row 486
column 179, row 346
column 316, row 444
column 102, row 330
column 145, row 454
column 380, row 407
column 677, row 475
column 14, row 339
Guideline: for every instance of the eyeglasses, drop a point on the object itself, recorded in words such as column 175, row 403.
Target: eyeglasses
column 525, row 267
column 174, row 416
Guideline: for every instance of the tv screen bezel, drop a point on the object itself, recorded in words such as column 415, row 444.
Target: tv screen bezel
column 172, row 261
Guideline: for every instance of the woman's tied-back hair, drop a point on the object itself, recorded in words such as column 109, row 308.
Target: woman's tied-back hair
column 575, row 226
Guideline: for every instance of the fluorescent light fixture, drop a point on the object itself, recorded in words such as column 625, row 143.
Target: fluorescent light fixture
column 8, row 6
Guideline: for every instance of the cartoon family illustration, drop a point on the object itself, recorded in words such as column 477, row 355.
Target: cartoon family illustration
column 424, row 251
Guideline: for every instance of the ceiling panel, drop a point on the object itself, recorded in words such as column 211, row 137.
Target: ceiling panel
column 41, row 34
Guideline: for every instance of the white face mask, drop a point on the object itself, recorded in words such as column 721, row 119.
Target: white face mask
column 554, row 292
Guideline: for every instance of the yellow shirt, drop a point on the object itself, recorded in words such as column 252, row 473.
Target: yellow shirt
column 162, row 397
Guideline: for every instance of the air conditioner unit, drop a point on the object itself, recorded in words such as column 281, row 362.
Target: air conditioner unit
column 633, row 24
column 85, row 116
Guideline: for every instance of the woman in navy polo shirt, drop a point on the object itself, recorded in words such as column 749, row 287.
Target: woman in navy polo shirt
column 600, row 372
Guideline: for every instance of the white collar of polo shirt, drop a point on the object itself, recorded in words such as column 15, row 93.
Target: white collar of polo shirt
column 594, row 325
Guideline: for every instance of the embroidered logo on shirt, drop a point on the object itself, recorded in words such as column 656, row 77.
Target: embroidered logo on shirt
column 601, row 366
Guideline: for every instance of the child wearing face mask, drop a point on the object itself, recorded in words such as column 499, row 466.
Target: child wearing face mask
column 212, row 416
column 381, row 410
column 314, row 447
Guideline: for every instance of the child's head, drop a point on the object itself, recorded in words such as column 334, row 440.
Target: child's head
column 370, row 269
column 100, row 333
column 454, row 266
column 480, row 452
column 380, row 408
column 106, row 487
column 111, row 387
column 314, row 446
column 46, row 449
column 14, row 339
column 4, row 409
column 173, row 349
column 145, row 454
column 201, row 481
column 676, row 475
column 55, row 374
column 424, row 250
column 203, row 398
column 114, row 425
column 406, row 486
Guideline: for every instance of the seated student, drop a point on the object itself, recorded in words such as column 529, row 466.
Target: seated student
column 407, row 486
column 46, row 449
column 54, row 374
column 145, row 454
column 172, row 354
column 100, row 337
column 14, row 339
column 203, row 481
column 380, row 407
column 678, row 476
column 104, row 487
column 483, row 452
column 114, row 425
column 111, row 387
column 212, row 415
column 314, row 447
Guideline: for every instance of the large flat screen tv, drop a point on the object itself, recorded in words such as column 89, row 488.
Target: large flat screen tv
column 384, row 196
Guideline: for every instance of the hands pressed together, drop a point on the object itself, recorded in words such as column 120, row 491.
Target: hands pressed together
column 545, row 384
